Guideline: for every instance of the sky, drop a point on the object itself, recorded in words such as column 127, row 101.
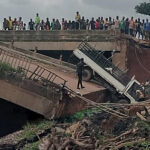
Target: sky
column 67, row 8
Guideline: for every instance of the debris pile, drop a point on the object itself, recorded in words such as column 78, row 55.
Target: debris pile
column 102, row 131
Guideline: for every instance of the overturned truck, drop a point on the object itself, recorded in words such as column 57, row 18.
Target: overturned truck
column 110, row 76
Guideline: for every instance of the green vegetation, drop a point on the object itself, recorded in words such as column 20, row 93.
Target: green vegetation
column 20, row 70
column 144, row 130
column 144, row 125
column 29, row 134
column 129, row 145
column 33, row 146
column 34, row 131
column 103, row 139
column 144, row 145
column 6, row 70
column 143, row 8
column 30, row 130
column 82, row 114
column 39, row 125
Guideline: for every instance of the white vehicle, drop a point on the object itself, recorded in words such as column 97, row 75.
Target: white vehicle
column 111, row 75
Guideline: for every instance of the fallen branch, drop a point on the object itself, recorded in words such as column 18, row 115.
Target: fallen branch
column 80, row 144
column 124, row 141
column 130, row 143
column 118, row 137
column 140, row 116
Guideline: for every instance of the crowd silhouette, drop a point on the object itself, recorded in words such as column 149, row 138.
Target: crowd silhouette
column 134, row 27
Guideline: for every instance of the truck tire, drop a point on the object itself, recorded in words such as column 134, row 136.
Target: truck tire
column 87, row 74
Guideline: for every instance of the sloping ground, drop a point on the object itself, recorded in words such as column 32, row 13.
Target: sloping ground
column 91, row 129
column 138, row 60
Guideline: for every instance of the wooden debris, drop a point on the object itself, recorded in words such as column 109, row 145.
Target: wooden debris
column 140, row 116
column 88, row 134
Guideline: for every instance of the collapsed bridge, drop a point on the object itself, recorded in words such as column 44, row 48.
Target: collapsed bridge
column 40, row 88
column 43, row 77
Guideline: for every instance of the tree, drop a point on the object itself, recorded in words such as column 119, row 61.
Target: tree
column 143, row 8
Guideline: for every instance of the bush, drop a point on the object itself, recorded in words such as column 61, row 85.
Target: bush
column 5, row 69
column 82, row 114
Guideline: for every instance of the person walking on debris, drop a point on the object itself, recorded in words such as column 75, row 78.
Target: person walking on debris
column 80, row 67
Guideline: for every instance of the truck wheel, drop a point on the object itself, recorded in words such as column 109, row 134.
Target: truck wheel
column 87, row 74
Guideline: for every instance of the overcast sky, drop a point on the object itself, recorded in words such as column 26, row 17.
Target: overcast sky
column 67, row 8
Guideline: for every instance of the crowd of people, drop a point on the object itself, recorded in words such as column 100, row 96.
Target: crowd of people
column 134, row 27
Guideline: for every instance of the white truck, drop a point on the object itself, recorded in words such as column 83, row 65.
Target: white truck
column 107, row 72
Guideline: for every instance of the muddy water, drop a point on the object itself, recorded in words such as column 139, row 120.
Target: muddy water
column 13, row 117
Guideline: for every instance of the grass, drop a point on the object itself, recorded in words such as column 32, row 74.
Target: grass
column 144, row 130
column 103, row 139
column 30, row 129
column 8, row 70
column 144, row 145
column 39, row 124
column 29, row 135
column 5, row 68
column 33, row 146
column 144, row 125
column 82, row 114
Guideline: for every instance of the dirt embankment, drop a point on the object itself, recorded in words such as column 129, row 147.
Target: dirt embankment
column 138, row 60
column 91, row 129
column 100, row 131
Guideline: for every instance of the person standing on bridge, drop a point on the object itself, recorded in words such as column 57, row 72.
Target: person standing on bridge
column 31, row 25
column 48, row 26
column 20, row 24
column 53, row 24
column 131, row 26
column 5, row 24
column 37, row 22
column 80, row 67
column 78, row 19
column 147, row 29
column 15, row 24
column 122, row 25
column 10, row 23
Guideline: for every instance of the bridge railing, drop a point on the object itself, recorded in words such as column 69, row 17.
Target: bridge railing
column 31, row 68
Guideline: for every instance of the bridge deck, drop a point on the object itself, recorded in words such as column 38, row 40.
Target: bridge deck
column 72, row 83
column 31, row 67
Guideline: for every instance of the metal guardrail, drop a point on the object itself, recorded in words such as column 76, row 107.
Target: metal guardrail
column 32, row 70
column 42, row 58
column 103, row 62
